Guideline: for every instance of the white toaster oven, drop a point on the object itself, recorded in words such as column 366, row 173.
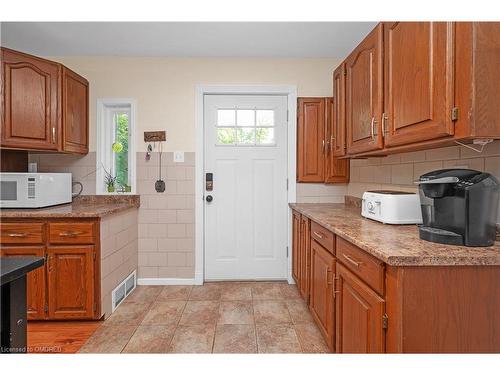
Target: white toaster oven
column 392, row 207
column 34, row 190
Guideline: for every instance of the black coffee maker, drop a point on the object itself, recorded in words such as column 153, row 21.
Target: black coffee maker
column 459, row 207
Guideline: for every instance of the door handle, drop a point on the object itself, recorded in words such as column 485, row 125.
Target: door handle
column 209, row 198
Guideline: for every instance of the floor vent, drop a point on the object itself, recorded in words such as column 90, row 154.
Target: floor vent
column 121, row 292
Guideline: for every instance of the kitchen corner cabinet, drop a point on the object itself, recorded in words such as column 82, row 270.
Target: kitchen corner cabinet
column 45, row 105
column 315, row 128
column 68, row 286
column 364, row 94
column 420, row 85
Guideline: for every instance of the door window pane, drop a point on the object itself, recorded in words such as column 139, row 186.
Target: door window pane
column 265, row 117
column 245, row 117
column 264, row 136
column 226, row 117
column 246, row 136
column 225, row 136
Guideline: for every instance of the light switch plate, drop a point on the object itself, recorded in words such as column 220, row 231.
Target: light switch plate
column 178, row 156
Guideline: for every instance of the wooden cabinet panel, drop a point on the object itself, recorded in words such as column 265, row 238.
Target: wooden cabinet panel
column 310, row 140
column 364, row 94
column 322, row 301
column 71, row 282
column 75, row 96
column 336, row 170
column 35, row 280
column 30, row 92
column 359, row 315
column 296, row 247
column 419, row 76
column 80, row 233
column 304, row 255
column 338, row 135
column 20, row 233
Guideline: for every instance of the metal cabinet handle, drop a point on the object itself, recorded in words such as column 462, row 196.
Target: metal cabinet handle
column 372, row 127
column 329, row 281
column 384, row 123
column 318, row 234
column 323, row 146
column 53, row 135
column 352, row 261
column 22, row 235
column 69, row 234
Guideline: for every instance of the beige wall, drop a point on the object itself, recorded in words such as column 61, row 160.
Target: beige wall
column 397, row 172
column 165, row 88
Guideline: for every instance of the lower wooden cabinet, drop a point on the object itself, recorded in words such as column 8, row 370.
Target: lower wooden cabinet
column 359, row 315
column 71, row 282
column 67, row 287
column 305, row 257
column 35, row 279
column 300, row 253
column 321, row 302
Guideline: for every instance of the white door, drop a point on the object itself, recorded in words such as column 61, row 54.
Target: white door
column 246, row 220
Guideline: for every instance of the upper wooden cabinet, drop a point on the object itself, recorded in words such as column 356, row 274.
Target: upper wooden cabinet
column 45, row 105
column 364, row 94
column 418, row 78
column 336, row 170
column 338, row 135
column 420, row 85
column 31, row 99
column 311, row 140
column 316, row 127
column 75, row 112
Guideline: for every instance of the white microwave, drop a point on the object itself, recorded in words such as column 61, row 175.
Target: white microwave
column 34, row 190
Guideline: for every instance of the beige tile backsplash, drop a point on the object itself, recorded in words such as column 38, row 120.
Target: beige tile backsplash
column 398, row 172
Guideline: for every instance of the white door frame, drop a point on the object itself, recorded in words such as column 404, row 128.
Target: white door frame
column 291, row 92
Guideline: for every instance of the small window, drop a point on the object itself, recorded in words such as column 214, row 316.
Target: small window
column 116, row 156
column 245, row 127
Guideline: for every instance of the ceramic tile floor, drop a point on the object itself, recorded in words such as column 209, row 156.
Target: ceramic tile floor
column 250, row 317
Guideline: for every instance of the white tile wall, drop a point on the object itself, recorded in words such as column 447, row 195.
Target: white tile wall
column 399, row 171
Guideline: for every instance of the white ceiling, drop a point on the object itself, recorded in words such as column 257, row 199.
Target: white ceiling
column 185, row 39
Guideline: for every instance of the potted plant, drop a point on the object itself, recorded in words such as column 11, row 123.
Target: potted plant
column 127, row 188
column 110, row 181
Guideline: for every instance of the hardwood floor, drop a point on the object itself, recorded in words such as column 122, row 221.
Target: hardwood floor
column 59, row 337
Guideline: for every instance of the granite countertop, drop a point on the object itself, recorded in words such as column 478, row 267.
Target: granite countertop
column 88, row 206
column 12, row 268
column 396, row 245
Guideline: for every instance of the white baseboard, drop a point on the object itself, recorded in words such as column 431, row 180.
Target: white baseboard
column 165, row 281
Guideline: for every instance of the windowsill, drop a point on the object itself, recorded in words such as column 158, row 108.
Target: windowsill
column 117, row 193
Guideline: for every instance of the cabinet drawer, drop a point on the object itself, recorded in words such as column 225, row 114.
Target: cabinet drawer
column 368, row 268
column 21, row 233
column 72, row 233
column 323, row 237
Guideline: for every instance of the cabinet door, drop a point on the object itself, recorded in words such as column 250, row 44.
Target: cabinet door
column 75, row 112
column 359, row 316
column 71, row 282
column 35, row 280
column 310, row 139
column 364, row 95
column 336, row 170
column 321, row 300
column 338, row 135
column 418, row 64
column 296, row 247
column 305, row 230
column 30, row 93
